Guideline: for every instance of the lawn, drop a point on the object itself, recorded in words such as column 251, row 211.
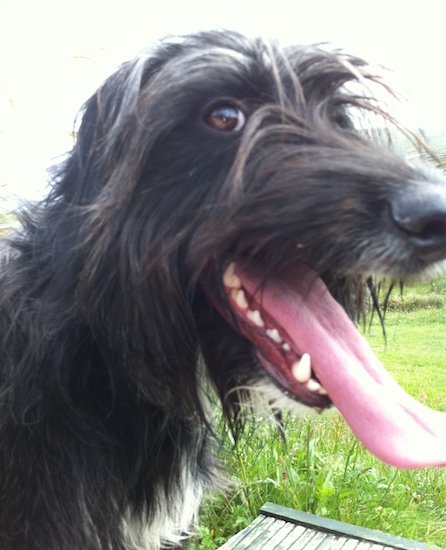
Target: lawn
column 323, row 469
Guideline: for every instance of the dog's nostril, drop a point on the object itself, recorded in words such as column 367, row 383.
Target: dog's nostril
column 421, row 214
column 424, row 227
column 431, row 229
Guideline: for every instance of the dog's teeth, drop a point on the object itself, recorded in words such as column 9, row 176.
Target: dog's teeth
column 313, row 385
column 286, row 347
column 230, row 279
column 301, row 370
column 239, row 298
column 255, row 317
column 274, row 335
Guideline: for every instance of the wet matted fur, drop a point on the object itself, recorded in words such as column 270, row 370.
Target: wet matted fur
column 215, row 183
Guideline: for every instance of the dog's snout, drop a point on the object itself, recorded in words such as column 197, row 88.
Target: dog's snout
column 421, row 215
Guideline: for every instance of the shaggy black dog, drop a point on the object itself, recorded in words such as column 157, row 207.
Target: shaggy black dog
column 212, row 231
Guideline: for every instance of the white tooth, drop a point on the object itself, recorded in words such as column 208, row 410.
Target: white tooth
column 255, row 317
column 230, row 279
column 239, row 298
column 313, row 385
column 301, row 370
column 286, row 347
column 274, row 335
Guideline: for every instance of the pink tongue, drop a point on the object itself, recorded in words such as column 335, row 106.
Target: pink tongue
column 392, row 425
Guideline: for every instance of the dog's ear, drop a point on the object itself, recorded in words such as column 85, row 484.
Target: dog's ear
column 115, row 249
column 103, row 132
column 116, row 128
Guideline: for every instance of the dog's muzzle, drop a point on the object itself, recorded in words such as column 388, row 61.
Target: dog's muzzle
column 306, row 342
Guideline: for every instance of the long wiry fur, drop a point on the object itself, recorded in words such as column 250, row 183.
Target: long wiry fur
column 109, row 347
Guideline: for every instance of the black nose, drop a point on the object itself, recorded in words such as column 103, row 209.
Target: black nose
column 420, row 212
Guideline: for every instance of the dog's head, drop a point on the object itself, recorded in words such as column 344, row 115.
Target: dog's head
column 229, row 208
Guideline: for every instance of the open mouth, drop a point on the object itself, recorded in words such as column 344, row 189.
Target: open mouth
column 305, row 340
column 267, row 328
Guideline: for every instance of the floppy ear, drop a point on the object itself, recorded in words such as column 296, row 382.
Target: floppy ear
column 112, row 257
column 105, row 120
column 96, row 184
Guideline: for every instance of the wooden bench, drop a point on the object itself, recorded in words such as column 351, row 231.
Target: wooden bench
column 280, row 528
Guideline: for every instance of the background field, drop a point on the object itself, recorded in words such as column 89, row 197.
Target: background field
column 323, row 469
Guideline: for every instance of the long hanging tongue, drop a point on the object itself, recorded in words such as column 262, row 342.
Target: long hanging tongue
column 395, row 427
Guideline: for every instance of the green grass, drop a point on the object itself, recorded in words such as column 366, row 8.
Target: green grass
column 323, row 469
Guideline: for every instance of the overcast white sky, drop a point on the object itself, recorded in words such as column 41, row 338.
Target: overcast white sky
column 54, row 54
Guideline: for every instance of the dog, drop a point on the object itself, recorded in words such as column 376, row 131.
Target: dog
column 213, row 234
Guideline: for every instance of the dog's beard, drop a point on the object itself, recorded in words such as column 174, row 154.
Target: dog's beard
column 308, row 345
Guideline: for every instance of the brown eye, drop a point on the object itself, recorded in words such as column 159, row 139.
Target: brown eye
column 226, row 118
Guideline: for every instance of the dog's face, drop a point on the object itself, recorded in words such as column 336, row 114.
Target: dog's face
column 259, row 211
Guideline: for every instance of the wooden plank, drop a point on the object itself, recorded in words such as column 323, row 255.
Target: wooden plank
column 316, row 540
column 281, row 528
column 264, row 539
column 333, row 543
column 312, row 521
column 355, row 544
column 305, row 538
column 277, row 539
column 291, row 539
column 244, row 537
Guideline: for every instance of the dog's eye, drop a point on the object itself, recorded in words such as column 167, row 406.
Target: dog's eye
column 226, row 118
column 343, row 121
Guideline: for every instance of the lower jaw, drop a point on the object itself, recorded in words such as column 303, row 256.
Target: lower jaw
column 293, row 389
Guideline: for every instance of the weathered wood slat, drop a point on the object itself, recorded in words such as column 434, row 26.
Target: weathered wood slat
column 244, row 538
column 281, row 528
column 291, row 538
